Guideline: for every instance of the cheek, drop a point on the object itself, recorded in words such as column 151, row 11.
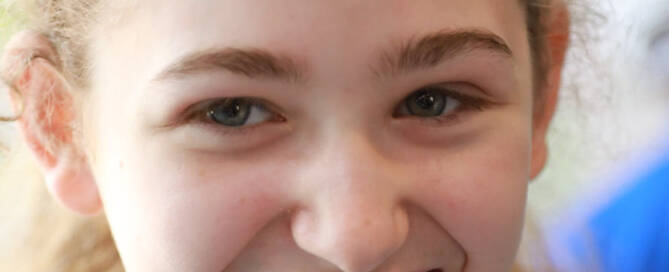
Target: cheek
column 478, row 196
column 170, row 210
column 168, row 205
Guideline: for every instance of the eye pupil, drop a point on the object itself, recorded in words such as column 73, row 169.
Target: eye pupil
column 425, row 100
column 426, row 103
column 233, row 113
column 233, row 110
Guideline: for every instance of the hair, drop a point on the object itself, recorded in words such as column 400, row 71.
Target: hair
column 60, row 241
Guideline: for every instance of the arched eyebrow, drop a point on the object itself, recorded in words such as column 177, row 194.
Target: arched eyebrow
column 415, row 54
column 252, row 63
column 432, row 49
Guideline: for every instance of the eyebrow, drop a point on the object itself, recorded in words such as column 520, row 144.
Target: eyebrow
column 431, row 50
column 251, row 62
column 415, row 54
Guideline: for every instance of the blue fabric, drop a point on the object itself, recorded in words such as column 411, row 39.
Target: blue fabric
column 632, row 233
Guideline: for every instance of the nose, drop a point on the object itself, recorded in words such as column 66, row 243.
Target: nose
column 353, row 217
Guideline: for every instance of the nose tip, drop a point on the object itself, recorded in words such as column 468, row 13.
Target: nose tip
column 356, row 239
column 351, row 213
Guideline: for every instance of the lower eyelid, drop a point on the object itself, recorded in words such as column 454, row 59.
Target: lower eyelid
column 440, row 121
column 225, row 131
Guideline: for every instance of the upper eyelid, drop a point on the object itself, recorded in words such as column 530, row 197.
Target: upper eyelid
column 464, row 88
column 460, row 90
column 209, row 102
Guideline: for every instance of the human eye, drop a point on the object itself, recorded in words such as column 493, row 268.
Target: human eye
column 234, row 114
column 438, row 103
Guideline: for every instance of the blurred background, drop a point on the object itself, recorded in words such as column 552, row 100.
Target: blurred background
column 8, row 24
column 612, row 116
column 609, row 144
column 611, row 121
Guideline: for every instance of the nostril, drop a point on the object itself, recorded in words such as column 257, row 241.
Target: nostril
column 435, row 270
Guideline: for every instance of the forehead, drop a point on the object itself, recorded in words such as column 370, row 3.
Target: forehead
column 342, row 31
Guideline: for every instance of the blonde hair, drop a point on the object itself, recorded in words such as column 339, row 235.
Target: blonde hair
column 54, row 239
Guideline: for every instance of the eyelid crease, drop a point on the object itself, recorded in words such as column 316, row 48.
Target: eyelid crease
column 466, row 100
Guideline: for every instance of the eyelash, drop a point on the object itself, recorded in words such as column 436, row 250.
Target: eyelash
column 467, row 103
column 198, row 113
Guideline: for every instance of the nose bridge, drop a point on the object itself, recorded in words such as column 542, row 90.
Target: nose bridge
column 353, row 217
column 346, row 163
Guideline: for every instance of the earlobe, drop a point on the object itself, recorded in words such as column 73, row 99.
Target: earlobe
column 539, row 157
column 72, row 183
column 47, row 123
column 557, row 40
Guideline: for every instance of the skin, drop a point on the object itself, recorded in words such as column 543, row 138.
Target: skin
column 341, row 183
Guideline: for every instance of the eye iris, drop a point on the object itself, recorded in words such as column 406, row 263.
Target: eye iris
column 233, row 113
column 426, row 103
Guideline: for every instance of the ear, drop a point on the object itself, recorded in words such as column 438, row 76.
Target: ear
column 47, row 118
column 557, row 40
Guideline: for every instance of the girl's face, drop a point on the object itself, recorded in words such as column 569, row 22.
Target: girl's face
column 364, row 135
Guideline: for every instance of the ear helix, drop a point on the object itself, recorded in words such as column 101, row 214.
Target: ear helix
column 20, row 52
column 15, row 94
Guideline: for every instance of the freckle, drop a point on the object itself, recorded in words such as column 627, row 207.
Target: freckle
column 367, row 222
column 200, row 173
column 242, row 201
